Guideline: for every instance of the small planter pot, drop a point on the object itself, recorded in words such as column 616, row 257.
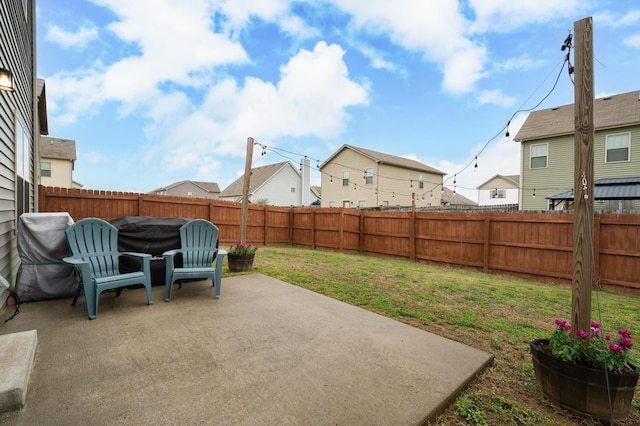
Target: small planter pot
column 581, row 389
column 240, row 263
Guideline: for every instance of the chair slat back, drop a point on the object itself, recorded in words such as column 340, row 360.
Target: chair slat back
column 199, row 240
column 95, row 241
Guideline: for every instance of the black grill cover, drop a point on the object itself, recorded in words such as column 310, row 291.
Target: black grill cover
column 152, row 235
column 145, row 234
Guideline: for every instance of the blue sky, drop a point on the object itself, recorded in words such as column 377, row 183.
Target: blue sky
column 159, row 91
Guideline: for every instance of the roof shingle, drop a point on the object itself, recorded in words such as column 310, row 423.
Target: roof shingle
column 608, row 112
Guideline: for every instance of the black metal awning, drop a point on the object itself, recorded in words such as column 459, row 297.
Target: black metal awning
column 627, row 188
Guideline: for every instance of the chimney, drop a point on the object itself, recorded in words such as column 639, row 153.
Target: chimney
column 305, row 187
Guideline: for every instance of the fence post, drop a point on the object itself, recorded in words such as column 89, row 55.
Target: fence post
column 265, row 217
column 361, row 236
column 341, row 232
column 412, row 232
column 596, row 246
column 313, row 229
column 291, row 220
column 486, row 236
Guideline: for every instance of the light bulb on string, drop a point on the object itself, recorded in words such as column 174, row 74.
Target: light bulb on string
column 534, row 193
column 475, row 167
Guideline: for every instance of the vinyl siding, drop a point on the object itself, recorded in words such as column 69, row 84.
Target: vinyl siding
column 17, row 53
column 391, row 184
column 559, row 175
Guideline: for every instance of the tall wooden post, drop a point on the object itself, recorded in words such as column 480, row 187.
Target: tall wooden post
column 583, row 177
column 245, row 192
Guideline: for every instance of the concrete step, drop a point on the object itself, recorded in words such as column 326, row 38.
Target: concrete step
column 17, row 353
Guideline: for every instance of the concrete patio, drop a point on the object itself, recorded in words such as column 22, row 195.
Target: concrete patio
column 265, row 353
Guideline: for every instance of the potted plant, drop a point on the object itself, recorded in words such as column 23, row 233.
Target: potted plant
column 240, row 257
column 590, row 373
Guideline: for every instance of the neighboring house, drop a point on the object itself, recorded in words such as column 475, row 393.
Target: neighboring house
column 57, row 159
column 547, row 153
column 453, row 199
column 23, row 117
column 279, row 184
column 499, row 190
column 359, row 178
column 188, row 188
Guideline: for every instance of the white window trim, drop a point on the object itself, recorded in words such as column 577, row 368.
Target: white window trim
column 531, row 156
column 606, row 144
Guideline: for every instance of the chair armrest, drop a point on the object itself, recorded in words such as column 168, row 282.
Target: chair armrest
column 133, row 254
column 74, row 261
column 83, row 265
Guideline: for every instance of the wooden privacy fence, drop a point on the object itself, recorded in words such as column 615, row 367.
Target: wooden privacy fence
column 531, row 245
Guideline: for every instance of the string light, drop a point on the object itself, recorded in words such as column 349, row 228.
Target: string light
column 534, row 193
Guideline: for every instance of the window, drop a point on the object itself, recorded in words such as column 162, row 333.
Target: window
column 293, row 187
column 45, row 168
column 345, row 178
column 385, row 204
column 346, row 204
column 189, row 194
column 539, row 156
column 368, row 176
column 421, row 182
column 362, row 204
column 332, row 203
column 619, row 205
column 617, row 148
column 498, row 193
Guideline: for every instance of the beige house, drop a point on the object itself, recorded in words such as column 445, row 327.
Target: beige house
column 499, row 190
column 359, row 178
column 57, row 159
column 189, row 188
column 547, row 155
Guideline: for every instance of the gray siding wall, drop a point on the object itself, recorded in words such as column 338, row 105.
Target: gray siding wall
column 17, row 53
column 558, row 177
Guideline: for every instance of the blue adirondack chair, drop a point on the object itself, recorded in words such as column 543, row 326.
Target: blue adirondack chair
column 94, row 245
column 199, row 248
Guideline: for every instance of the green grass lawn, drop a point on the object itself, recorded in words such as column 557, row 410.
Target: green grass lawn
column 494, row 313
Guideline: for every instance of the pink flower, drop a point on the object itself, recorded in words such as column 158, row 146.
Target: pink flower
column 625, row 333
column 582, row 334
column 607, row 337
column 625, row 343
column 615, row 348
column 562, row 325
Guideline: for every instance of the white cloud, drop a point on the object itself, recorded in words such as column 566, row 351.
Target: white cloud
column 520, row 62
column 608, row 19
column 506, row 15
column 438, row 30
column 501, row 156
column 633, row 41
column 81, row 38
column 495, row 97
column 309, row 100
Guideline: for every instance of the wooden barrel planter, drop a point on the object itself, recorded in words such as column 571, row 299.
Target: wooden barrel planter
column 240, row 263
column 581, row 389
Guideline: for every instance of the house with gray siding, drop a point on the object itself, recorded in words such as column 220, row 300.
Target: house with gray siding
column 22, row 120
column 189, row 188
column 547, row 153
